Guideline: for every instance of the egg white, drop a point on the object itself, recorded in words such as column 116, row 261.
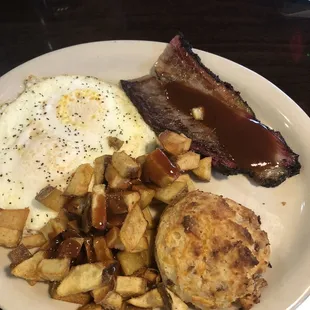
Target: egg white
column 55, row 125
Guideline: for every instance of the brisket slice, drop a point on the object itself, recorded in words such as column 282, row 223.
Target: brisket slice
column 179, row 63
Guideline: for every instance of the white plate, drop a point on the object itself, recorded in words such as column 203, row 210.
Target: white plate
column 287, row 225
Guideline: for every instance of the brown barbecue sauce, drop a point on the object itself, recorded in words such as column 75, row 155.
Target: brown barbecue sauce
column 248, row 141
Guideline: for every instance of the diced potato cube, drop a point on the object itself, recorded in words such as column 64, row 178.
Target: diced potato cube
column 9, row 238
column 152, row 276
column 91, row 306
column 100, row 165
column 133, row 228
column 149, row 218
column 125, row 165
column 81, row 298
column 203, row 171
column 113, row 240
column 54, row 269
column 90, row 251
column 130, row 262
column 112, row 301
column 33, row 241
column 188, row 161
column 103, row 253
column 141, row 159
column 130, row 286
column 79, row 183
column 70, row 248
column 174, row 143
column 151, row 299
column 141, row 246
column 172, row 192
column 115, row 143
column 12, row 223
column 187, row 179
column 13, row 219
column 131, row 199
column 176, row 302
column 53, row 228
column 28, row 269
column 198, row 113
column 18, row 255
column 114, row 178
column 81, row 279
column 99, row 207
column 159, row 169
column 148, row 255
column 52, row 198
column 146, row 194
column 73, row 225
column 100, row 293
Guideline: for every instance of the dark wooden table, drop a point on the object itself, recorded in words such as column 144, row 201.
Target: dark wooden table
column 252, row 33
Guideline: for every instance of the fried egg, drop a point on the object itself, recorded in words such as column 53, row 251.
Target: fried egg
column 56, row 124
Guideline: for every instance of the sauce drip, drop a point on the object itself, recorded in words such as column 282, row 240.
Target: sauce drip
column 249, row 142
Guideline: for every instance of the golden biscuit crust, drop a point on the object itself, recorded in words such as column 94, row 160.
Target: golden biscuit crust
column 212, row 252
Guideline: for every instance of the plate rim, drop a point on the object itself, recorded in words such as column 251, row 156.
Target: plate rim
column 305, row 118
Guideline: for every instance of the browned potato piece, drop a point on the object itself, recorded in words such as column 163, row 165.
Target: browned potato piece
column 90, row 251
column 176, row 303
column 112, row 301
column 75, row 205
column 174, row 143
column 100, row 164
column 86, row 213
column 130, row 262
column 125, row 165
column 103, row 253
column 99, row 207
column 19, row 254
column 73, row 225
column 13, row 219
column 149, row 218
column 28, row 269
column 53, row 228
column 151, row 299
column 148, row 255
column 52, row 198
column 187, row 179
column 198, row 113
column 79, row 183
column 172, row 192
column 9, row 238
column 130, row 286
column 141, row 246
column 100, row 293
column 33, row 241
column 152, row 276
column 133, row 228
column 159, row 169
column 141, row 159
column 203, row 171
column 113, row 240
column 70, row 248
column 114, row 178
column 12, row 223
column 115, row 143
column 131, row 199
column 91, row 306
column 146, row 195
column 81, row 298
column 188, row 161
column 81, row 279
column 54, row 269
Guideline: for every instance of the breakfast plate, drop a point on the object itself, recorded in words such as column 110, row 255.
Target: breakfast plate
column 284, row 210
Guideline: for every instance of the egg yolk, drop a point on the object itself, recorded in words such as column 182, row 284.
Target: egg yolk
column 79, row 107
